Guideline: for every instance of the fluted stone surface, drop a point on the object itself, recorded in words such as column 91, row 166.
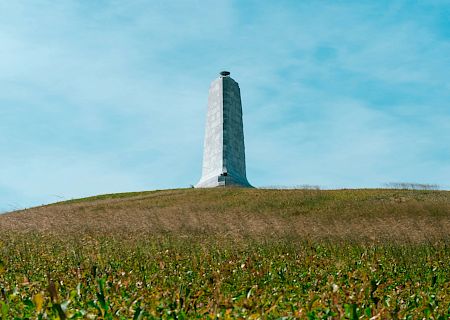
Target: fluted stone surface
column 224, row 151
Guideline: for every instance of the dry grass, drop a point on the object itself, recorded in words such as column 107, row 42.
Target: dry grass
column 352, row 215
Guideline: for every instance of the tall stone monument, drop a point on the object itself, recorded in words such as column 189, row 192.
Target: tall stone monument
column 224, row 152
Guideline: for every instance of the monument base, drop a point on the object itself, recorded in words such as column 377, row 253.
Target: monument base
column 223, row 181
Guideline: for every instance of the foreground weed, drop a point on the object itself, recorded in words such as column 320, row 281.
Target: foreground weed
column 106, row 278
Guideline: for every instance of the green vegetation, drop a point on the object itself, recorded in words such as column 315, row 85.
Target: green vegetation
column 230, row 253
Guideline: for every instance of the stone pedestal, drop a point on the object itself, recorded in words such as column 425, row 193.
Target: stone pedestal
column 224, row 151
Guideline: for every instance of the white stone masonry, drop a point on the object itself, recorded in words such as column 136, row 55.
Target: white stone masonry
column 224, row 151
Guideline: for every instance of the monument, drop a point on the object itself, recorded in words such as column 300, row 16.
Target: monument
column 224, row 151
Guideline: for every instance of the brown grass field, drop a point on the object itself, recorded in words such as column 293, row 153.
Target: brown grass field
column 370, row 215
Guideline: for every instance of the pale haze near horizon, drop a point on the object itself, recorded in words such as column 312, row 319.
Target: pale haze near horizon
column 110, row 96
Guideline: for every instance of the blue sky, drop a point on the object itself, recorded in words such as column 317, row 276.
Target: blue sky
column 110, row 96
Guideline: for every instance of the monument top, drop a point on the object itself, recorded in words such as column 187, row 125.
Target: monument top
column 225, row 73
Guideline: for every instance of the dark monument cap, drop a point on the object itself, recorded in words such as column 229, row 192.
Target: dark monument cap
column 225, row 73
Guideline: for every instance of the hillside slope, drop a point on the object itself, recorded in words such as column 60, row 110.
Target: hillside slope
column 353, row 215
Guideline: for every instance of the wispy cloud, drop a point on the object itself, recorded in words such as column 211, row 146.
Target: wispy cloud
column 111, row 96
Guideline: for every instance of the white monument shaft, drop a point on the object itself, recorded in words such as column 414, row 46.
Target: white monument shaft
column 224, row 151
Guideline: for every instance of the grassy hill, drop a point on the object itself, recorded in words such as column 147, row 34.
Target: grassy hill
column 356, row 215
column 230, row 253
